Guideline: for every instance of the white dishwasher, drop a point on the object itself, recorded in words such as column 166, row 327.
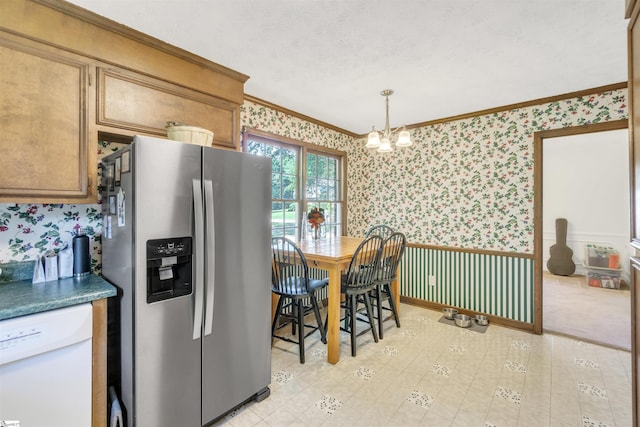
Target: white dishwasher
column 45, row 368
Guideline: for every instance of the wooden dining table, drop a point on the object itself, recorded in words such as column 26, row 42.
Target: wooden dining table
column 334, row 255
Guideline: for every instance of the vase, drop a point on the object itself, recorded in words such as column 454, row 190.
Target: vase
column 303, row 230
column 316, row 235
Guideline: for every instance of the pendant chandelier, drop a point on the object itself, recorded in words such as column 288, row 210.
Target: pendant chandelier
column 382, row 139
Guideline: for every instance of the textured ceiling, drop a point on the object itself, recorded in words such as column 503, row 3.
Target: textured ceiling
column 329, row 59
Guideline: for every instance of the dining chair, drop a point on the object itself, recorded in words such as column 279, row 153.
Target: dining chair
column 297, row 293
column 393, row 248
column 381, row 230
column 357, row 283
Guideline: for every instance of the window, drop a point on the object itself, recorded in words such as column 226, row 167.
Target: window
column 304, row 176
column 322, row 188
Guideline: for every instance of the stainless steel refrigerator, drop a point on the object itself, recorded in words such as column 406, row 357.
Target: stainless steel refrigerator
column 186, row 239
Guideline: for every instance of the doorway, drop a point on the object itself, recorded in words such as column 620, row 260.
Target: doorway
column 570, row 189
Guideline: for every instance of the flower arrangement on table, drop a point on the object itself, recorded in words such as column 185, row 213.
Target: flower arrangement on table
column 315, row 218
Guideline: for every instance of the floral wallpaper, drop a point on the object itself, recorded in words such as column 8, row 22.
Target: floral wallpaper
column 466, row 183
column 259, row 117
column 28, row 231
column 469, row 183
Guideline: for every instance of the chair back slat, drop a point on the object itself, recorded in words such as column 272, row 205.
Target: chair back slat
column 289, row 269
column 363, row 267
column 381, row 230
column 393, row 248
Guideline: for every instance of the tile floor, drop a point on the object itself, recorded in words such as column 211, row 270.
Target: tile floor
column 427, row 373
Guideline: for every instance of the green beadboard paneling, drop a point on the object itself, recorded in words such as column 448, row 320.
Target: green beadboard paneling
column 499, row 285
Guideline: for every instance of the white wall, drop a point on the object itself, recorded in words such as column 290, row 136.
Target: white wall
column 586, row 181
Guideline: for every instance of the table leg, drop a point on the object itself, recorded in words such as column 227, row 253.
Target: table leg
column 274, row 305
column 395, row 289
column 333, row 319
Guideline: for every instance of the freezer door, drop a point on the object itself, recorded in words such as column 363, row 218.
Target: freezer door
column 118, row 268
column 167, row 357
column 237, row 354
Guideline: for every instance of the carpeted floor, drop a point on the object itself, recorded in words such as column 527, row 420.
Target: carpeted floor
column 573, row 308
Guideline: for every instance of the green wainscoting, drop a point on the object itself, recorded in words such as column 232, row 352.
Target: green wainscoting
column 499, row 285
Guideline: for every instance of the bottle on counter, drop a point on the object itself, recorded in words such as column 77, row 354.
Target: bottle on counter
column 81, row 256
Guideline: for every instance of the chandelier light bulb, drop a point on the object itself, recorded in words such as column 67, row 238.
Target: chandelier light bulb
column 404, row 139
column 373, row 141
column 385, row 146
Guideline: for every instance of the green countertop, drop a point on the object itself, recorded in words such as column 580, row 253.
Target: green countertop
column 20, row 298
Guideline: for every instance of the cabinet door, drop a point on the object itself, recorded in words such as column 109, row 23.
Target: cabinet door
column 139, row 103
column 46, row 139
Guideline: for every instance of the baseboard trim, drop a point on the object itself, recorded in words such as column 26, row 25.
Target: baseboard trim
column 508, row 323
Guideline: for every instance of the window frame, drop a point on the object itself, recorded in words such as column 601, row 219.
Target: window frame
column 304, row 148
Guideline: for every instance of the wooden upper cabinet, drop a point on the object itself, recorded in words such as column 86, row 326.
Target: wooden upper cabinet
column 139, row 103
column 67, row 74
column 47, row 136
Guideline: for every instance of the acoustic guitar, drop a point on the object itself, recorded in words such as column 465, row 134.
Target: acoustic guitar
column 560, row 261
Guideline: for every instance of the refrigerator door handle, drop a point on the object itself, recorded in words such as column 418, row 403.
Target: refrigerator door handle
column 198, row 289
column 210, row 268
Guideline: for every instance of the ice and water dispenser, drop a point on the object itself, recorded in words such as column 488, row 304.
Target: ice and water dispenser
column 168, row 268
